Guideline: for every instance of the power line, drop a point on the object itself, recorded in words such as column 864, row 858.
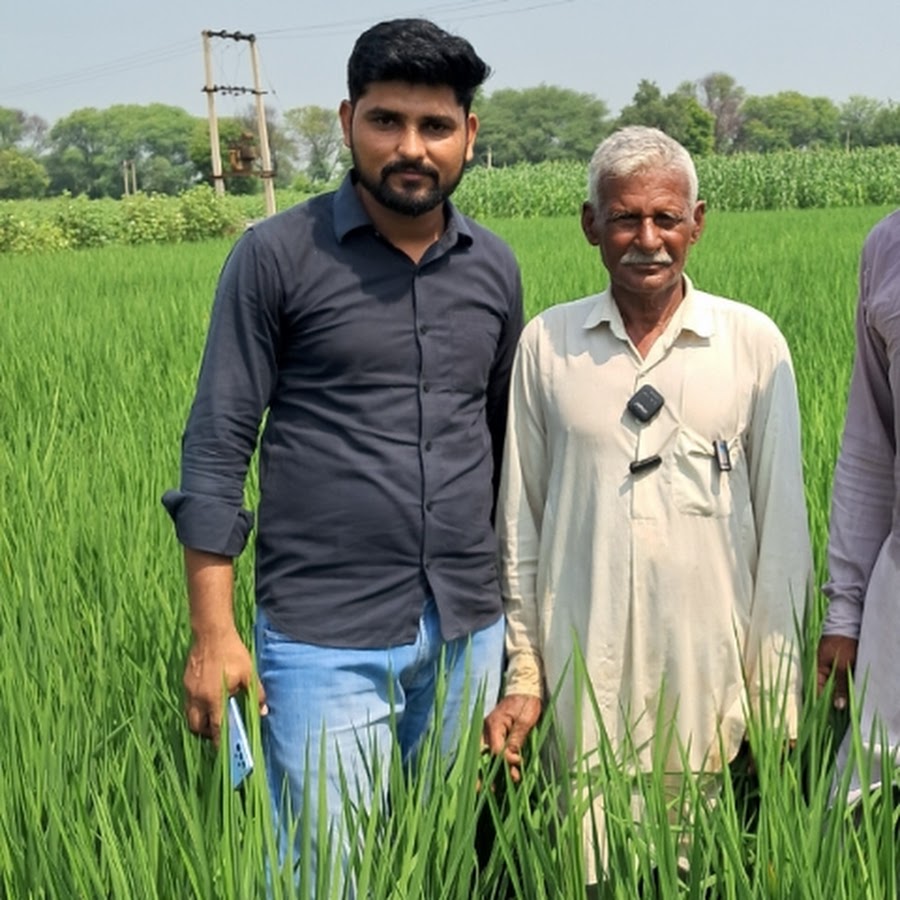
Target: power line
column 104, row 70
column 460, row 10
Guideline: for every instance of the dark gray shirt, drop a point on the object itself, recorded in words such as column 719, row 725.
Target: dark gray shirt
column 386, row 386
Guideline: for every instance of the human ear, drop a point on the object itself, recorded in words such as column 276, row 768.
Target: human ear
column 471, row 134
column 345, row 113
column 589, row 223
column 699, row 222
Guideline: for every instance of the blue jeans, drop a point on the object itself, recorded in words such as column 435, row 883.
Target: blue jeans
column 361, row 701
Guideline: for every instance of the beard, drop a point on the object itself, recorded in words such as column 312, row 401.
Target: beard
column 407, row 203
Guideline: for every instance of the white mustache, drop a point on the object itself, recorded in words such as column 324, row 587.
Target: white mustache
column 636, row 258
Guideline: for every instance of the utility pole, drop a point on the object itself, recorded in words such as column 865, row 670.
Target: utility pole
column 210, row 88
column 130, row 177
column 267, row 173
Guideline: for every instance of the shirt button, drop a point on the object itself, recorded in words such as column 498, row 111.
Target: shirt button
column 423, row 329
column 427, row 446
column 427, row 507
column 426, row 387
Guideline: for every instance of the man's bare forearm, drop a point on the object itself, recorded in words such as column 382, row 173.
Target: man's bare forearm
column 210, row 584
column 218, row 659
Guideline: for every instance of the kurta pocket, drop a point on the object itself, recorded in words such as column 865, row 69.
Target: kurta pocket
column 699, row 485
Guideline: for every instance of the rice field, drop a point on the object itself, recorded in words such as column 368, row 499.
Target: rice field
column 104, row 793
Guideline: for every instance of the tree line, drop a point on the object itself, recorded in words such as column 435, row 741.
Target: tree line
column 164, row 149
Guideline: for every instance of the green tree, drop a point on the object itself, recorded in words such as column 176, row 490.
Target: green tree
column 282, row 148
column 787, row 119
column 232, row 133
column 856, row 120
column 21, row 176
column 886, row 125
column 537, row 124
column 679, row 115
column 76, row 161
column 89, row 146
column 34, row 136
column 317, row 136
column 723, row 97
column 18, row 129
column 157, row 139
column 12, row 126
column 161, row 175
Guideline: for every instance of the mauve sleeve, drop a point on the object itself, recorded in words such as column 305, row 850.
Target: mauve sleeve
column 863, row 493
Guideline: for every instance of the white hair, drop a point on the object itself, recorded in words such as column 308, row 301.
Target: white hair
column 637, row 148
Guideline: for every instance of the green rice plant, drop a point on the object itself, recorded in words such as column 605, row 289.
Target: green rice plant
column 106, row 795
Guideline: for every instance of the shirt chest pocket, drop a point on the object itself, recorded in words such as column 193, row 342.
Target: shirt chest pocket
column 702, row 485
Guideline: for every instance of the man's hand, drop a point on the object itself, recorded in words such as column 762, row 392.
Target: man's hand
column 836, row 654
column 214, row 665
column 508, row 725
column 218, row 659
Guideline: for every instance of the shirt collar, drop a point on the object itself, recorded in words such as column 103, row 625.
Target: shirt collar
column 350, row 215
column 694, row 313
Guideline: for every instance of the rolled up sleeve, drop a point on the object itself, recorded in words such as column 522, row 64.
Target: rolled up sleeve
column 208, row 524
column 237, row 374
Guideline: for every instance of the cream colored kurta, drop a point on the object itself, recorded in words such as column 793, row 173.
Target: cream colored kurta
column 681, row 576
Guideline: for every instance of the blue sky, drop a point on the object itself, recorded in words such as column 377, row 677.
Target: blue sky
column 60, row 56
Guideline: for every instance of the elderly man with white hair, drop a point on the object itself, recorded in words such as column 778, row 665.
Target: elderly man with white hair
column 652, row 515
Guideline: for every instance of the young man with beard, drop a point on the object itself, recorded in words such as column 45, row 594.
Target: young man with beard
column 375, row 328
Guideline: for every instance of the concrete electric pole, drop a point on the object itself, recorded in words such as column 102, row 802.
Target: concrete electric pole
column 211, row 89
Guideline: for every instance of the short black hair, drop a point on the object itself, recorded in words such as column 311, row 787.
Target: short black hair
column 418, row 52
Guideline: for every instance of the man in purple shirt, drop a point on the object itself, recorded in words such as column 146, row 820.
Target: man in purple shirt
column 373, row 329
column 862, row 627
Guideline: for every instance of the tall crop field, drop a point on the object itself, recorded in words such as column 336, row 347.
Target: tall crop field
column 104, row 794
column 789, row 179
